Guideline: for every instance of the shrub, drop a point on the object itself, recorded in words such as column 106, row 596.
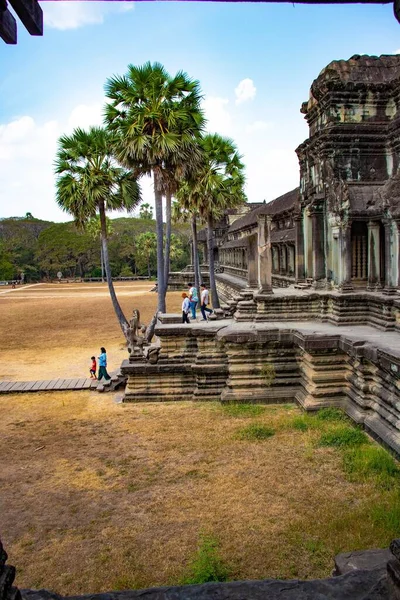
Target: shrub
column 206, row 565
column 343, row 436
column 371, row 461
column 255, row 431
column 243, row 410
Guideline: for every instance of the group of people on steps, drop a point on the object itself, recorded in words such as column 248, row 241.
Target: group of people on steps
column 190, row 301
column 189, row 304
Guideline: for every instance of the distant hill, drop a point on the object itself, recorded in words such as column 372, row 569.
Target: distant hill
column 41, row 248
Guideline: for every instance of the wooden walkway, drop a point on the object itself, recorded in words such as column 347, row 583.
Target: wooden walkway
column 11, row 387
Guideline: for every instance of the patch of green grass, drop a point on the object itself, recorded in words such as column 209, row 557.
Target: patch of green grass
column 371, row 461
column 243, row 410
column 387, row 517
column 255, row 431
column 300, row 423
column 207, row 564
column 342, row 436
column 331, row 414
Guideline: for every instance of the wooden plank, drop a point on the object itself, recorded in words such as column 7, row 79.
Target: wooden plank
column 44, row 384
column 53, row 384
column 64, row 384
column 3, row 384
column 8, row 27
column 29, row 386
column 79, row 383
column 88, row 383
column 59, row 383
column 18, row 386
column 71, row 384
column 30, row 14
column 8, row 386
column 36, row 386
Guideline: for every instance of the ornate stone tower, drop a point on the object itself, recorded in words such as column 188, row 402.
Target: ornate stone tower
column 348, row 171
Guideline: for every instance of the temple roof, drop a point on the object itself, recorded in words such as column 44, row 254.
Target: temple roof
column 240, row 243
column 283, row 235
column 274, row 207
column 362, row 69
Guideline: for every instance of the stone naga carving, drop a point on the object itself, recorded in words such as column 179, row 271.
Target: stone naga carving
column 136, row 334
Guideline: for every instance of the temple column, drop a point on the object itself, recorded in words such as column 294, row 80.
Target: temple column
column 345, row 251
column 264, row 255
column 299, row 233
column 389, row 266
column 252, row 262
column 282, row 259
column 318, row 244
column 374, row 266
column 398, row 253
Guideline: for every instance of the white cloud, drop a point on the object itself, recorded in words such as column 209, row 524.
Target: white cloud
column 27, row 153
column 245, row 90
column 85, row 116
column 258, row 126
column 67, row 14
column 219, row 119
column 397, row 51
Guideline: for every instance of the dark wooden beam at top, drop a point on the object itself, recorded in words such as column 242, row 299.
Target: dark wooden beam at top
column 30, row 14
column 8, row 27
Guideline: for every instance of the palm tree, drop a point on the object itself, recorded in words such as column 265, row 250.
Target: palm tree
column 90, row 182
column 215, row 187
column 158, row 120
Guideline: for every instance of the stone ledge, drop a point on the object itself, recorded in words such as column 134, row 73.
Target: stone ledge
column 357, row 585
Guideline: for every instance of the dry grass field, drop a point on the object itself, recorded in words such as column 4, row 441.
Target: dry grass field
column 97, row 495
column 50, row 331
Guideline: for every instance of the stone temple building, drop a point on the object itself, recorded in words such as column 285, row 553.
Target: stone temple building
column 310, row 282
column 340, row 229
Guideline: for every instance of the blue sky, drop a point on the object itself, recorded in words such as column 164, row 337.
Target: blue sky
column 255, row 63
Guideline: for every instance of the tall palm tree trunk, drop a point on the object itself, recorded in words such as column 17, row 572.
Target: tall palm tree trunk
column 160, row 246
column 210, row 244
column 168, row 197
column 117, row 308
column 102, row 263
column 196, row 263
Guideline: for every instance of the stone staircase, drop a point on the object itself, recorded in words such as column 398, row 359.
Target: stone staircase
column 117, row 380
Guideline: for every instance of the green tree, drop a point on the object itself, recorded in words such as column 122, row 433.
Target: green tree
column 93, row 227
column 61, row 247
column 157, row 119
column 146, row 211
column 90, row 182
column 146, row 250
column 6, row 266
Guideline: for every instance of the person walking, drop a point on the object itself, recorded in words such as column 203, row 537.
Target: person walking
column 205, row 299
column 185, row 308
column 193, row 299
column 103, row 365
column 93, row 368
